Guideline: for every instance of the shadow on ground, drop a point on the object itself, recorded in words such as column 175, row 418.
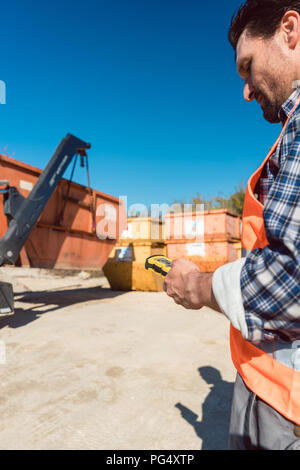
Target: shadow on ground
column 51, row 300
column 213, row 429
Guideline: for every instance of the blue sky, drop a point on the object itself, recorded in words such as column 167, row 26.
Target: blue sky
column 151, row 84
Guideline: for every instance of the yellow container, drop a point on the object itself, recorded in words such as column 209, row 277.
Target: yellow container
column 131, row 275
column 137, row 250
column 125, row 268
column 238, row 247
column 143, row 228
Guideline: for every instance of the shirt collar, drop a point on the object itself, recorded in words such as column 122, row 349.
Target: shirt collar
column 288, row 105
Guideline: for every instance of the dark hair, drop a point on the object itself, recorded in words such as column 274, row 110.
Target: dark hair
column 261, row 18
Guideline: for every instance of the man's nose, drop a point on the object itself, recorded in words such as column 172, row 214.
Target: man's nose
column 249, row 91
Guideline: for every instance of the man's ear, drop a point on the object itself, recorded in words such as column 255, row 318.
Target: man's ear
column 290, row 27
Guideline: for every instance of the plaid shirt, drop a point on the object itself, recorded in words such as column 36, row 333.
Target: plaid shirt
column 270, row 278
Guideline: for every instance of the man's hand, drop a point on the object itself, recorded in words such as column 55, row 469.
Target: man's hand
column 189, row 287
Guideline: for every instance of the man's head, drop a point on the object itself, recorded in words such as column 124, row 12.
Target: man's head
column 266, row 37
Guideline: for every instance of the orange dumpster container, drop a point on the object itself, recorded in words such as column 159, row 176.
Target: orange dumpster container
column 214, row 243
column 67, row 232
column 125, row 268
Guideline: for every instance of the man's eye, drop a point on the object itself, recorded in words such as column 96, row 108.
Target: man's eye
column 247, row 67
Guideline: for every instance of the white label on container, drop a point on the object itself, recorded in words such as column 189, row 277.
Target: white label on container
column 127, row 233
column 124, row 253
column 26, row 185
column 195, row 249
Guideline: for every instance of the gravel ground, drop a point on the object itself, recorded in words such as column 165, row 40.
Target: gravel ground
column 83, row 367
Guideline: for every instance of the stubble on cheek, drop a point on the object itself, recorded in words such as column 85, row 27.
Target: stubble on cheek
column 271, row 93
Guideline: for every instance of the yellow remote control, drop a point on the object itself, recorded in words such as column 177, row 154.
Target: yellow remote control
column 159, row 264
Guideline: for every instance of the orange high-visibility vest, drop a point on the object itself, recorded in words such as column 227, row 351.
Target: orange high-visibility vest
column 275, row 383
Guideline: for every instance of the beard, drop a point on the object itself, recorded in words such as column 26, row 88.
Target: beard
column 270, row 107
column 281, row 90
column 271, row 111
column 277, row 85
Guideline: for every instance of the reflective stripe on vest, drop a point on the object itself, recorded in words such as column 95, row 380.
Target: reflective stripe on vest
column 274, row 382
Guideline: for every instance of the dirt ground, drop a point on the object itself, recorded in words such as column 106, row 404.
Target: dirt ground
column 83, row 367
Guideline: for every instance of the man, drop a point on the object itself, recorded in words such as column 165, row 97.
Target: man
column 260, row 294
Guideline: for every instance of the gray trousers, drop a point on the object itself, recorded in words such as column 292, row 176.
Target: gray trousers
column 255, row 425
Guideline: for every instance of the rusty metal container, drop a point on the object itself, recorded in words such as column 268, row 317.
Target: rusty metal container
column 67, row 232
column 210, row 238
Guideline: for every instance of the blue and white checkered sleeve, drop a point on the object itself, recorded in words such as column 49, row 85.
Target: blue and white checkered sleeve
column 270, row 278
